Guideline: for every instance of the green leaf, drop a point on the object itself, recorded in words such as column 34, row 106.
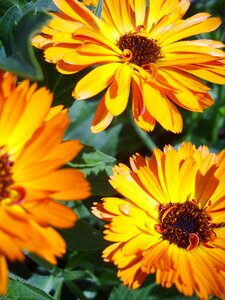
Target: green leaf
column 97, row 166
column 100, row 185
column 92, row 158
column 20, row 290
column 222, row 110
column 83, row 237
column 74, row 275
column 81, row 115
column 4, row 6
column 150, row 291
column 19, row 54
column 44, row 282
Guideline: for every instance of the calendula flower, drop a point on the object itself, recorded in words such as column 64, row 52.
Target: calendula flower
column 31, row 153
column 170, row 221
column 139, row 53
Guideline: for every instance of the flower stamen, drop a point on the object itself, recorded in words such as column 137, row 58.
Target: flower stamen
column 185, row 225
column 143, row 50
column 6, row 179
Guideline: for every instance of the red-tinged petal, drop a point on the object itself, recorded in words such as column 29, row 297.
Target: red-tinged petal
column 194, row 241
column 102, row 118
column 76, row 11
column 66, row 68
column 117, row 94
column 141, row 115
column 161, row 108
column 207, row 72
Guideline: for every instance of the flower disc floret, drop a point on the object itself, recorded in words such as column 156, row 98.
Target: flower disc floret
column 5, row 174
column 184, row 224
column 143, row 51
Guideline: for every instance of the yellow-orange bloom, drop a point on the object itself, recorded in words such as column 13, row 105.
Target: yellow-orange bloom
column 171, row 220
column 31, row 153
column 139, row 53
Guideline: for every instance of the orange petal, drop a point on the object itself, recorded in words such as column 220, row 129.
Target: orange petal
column 51, row 213
column 3, row 275
column 141, row 115
column 102, row 118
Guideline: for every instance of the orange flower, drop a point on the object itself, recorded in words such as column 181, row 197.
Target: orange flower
column 138, row 53
column 171, row 221
column 31, row 153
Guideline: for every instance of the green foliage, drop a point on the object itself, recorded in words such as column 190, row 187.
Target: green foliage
column 150, row 291
column 83, row 237
column 98, row 10
column 20, row 290
column 21, row 24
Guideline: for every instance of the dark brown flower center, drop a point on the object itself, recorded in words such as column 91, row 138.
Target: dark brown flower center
column 184, row 224
column 139, row 49
column 5, row 175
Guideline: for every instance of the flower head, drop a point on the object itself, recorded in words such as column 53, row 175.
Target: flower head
column 170, row 221
column 31, row 153
column 139, row 53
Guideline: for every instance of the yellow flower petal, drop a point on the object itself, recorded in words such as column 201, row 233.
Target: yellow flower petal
column 161, row 108
column 200, row 23
column 117, row 94
column 87, row 86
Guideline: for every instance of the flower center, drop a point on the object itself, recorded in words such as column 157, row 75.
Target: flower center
column 184, row 224
column 139, row 49
column 5, row 175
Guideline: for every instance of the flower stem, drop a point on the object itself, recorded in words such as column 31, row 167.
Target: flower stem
column 58, row 290
column 75, row 290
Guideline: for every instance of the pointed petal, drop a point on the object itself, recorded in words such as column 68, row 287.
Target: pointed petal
column 117, row 95
column 200, row 23
column 88, row 86
column 140, row 113
column 3, row 275
column 76, row 11
column 102, row 118
column 161, row 108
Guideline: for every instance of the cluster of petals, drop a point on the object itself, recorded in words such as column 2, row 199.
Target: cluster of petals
column 172, row 178
column 31, row 181
column 156, row 80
